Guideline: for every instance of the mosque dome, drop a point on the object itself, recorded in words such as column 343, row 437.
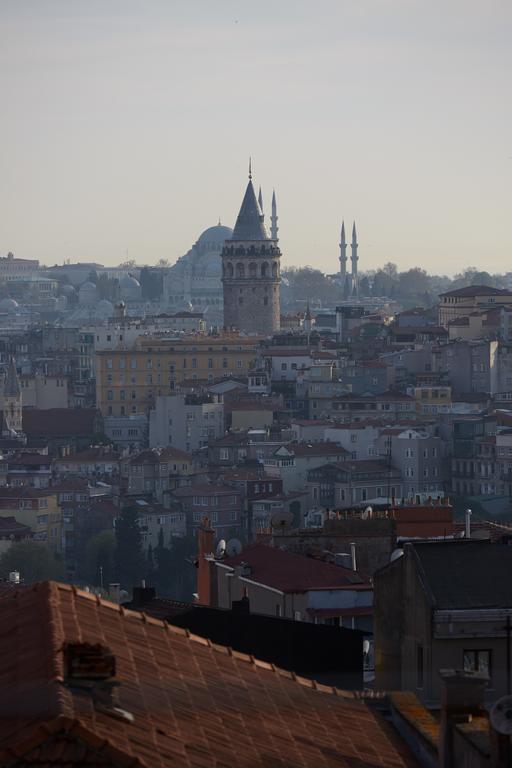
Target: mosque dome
column 68, row 290
column 129, row 288
column 88, row 293
column 8, row 305
column 212, row 239
column 105, row 308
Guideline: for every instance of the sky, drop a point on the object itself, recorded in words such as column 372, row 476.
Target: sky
column 126, row 127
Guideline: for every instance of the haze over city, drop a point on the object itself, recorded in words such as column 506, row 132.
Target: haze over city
column 127, row 128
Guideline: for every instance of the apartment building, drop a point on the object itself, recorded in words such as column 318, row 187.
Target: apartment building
column 38, row 509
column 463, row 302
column 155, row 472
column 12, row 268
column 129, row 381
column 187, row 422
column 221, row 504
column 341, row 485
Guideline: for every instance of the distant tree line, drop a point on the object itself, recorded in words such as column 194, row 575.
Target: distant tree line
column 411, row 287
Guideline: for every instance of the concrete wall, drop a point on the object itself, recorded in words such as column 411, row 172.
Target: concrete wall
column 188, row 427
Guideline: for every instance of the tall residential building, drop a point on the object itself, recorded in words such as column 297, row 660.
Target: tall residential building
column 128, row 381
column 251, row 270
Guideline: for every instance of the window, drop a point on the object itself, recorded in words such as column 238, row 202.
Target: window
column 224, row 362
column 284, row 366
column 109, row 363
column 419, row 666
column 478, row 661
column 122, row 394
column 110, row 395
column 210, row 362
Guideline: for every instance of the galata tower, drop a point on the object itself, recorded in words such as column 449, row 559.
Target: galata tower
column 251, row 270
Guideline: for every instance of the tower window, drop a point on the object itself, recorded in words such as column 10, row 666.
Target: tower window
column 265, row 301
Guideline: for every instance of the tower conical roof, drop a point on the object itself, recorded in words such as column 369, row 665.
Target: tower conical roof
column 12, row 382
column 249, row 224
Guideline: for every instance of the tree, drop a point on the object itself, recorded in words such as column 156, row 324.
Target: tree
column 33, row 560
column 364, row 287
column 175, row 576
column 413, row 282
column 129, row 559
column 99, row 553
column 164, row 565
column 390, row 270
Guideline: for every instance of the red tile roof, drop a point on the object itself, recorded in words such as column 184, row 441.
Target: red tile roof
column 472, row 291
column 57, row 422
column 189, row 702
column 289, row 572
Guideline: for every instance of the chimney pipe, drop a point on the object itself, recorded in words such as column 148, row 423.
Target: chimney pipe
column 353, row 555
column 467, row 530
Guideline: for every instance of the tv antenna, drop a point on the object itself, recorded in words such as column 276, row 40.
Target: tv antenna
column 220, row 550
column 501, row 716
column 281, row 521
column 233, row 547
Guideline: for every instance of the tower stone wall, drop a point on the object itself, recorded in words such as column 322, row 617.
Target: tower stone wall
column 251, row 272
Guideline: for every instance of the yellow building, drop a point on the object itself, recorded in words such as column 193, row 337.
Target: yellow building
column 37, row 508
column 432, row 400
column 129, row 380
column 463, row 302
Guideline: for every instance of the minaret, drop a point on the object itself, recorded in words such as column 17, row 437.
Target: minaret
column 13, row 415
column 251, row 272
column 343, row 255
column 308, row 319
column 274, row 229
column 354, row 258
column 260, row 200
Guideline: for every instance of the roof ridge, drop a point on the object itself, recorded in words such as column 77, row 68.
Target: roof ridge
column 43, row 730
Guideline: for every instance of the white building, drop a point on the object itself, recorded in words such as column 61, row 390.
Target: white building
column 187, row 422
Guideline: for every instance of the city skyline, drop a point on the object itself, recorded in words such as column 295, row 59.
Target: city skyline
column 128, row 130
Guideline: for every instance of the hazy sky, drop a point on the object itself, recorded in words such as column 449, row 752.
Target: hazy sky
column 126, row 127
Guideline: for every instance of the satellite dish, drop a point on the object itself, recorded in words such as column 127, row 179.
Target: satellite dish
column 281, row 520
column 233, row 547
column 396, row 553
column 501, row 715
column 221, row 548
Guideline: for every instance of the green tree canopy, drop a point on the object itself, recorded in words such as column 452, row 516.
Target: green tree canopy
column 99, row 553
column 130, row 562
column 34, row 560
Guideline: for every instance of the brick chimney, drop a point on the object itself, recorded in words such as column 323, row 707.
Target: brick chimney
column 205, row 540
column 462, row 697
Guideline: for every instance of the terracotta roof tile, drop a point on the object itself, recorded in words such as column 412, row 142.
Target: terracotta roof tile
column 191, row 703
column 290, row 572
